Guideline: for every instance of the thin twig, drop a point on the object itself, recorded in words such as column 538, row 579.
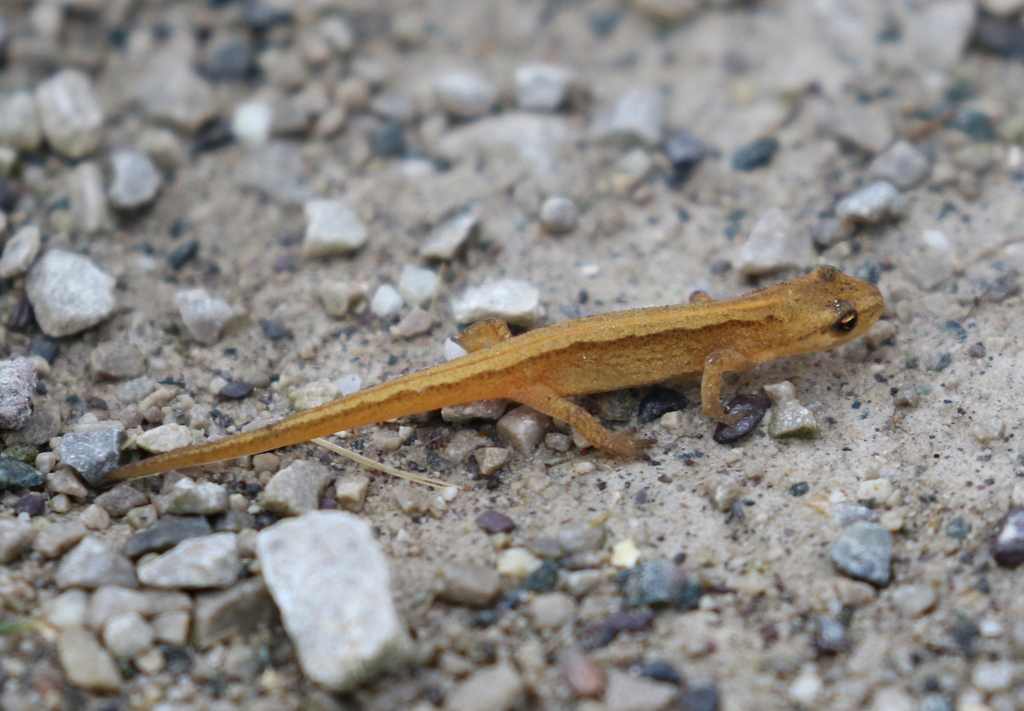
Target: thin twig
column 371, row 464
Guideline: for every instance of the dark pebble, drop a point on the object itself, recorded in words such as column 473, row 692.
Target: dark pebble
column 830, row 635
column 958, row 528
column 1008, row 544
column 233, row 520
column 21, row 452
column 660, row 401
column 975, row 124
column 494, row 522
column 700, row 698
column 213, row 135
column 166, row 533
column 869, row 272
column 236, row 390
column 938, row 362
column 626, row 621
column 755, row 155
column 684, row 152
column 32, row 504
column 956, row 329
column 261, row 16
column 662, row 671
column 720, row 267
column 22, row 317
column 275, row 330
column 284, row 263
column 18, row 475
column 230, row 61
column 752, row 409
column 964, row 633
column 1002, row 36
column 799, row 489
column 543, row 579
column 605, row 23
column 8, row 195
column 182, row 254
column 486, row 618
column 659, row 583
column 976, row 350
column 97, row 403
column 177, row 228
column 389, row 141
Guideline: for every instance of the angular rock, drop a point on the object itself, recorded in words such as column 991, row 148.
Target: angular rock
column 165, row 438
column 88, row 198
column 516, row 302
column 71, row 117
column 15, row 538
column 864, row 552
column 902, row 165
column 240, row 609
column 19, row 122
column 121, row 499
column 775, row 243
column 166, row 533
column 330, row 580
column 86, row 664
column 69, row 293
column 635, row 116
column 445, row 241
column 331, row 228
column 296, row 489
column 93, row 563
column 56, row 538
column 202, row 497
column 542, row 87
column 17, row 385
column 135, row 179
column 205, row 315
column 92, row 454
column 20, row 251
column 127, row 634
column 875, row 202
column 173, row 93
column 116, row 361
column 495, row 688
column 197, row 563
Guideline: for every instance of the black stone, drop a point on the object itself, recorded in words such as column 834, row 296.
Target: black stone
column 799, row 489
column 755, row 155
column 684, row 152
column 700, row 698
column 275, row 330
column 958, row 528
column 166, row 533
column 389, row 141
column 975, row 124
column 182, row 254
column 543, row 579
column 261, row 16
column 660, row 401
column 18, row 475
column 493, row 521
column 236, row 390
column 751, row 409
column 44, row 348
column 662, row 671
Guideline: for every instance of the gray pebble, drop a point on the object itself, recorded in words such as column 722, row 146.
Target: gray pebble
column 514, row 301
column 197, row 497
column 121, row 499
column 542, row 87
column 127, row 634
column 115, row 361
column 338, row 297
column 88, row 198
column 71, row 117
column 415, row 323
column 469, row 584
column 86, row 664
column 69, row 293
column 660, row 583
column 559, row 214
column 636, row 116
column 206, row 562
column 863, row 127
column 135, row 179
column 876, row 202
column 92, row 454
column 626, row 692
column 495, row 688
column 15, row 538
column 166, row 533
column 578, row 537
column 331, row 228
column 204, row 314
column 275, row 170
column 17, row 384
column 110, row 601
column 19, row 122
column 93, row 563
column 238, row 610
column 330, row 581
column 939, row 32
column 465, row 94
column 16, row 475
column 296, row 489
column 775, row 243
column 20, row 251
column 788, row 417
column 902, row 165
column 864, row 552
column 524, row 428
column 445, row 241
column 58, row 538
column 173, row 93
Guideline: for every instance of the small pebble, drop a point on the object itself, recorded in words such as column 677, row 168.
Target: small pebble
column 205, row 562
column 88, row 198
column 789, row 418
column 71, row 117
column 584, row 675
column 251, row 122
column 386, row 301
column 542, row 87
column 465, row 94
column 559, row 214
column 19, row 122
column 64, row 481
column 338, row 297
column 914, row 600
column 775, row 243
column 93, row 563
column 172, row 92
column 17, row 385
column 863, row 127
column 876, row 202
column 116, row 361
column 94, row 517
column 69, row 293
column 20, row 251
column 469, row 584
column 625, row 554
column 902, row 165
column 121, row 499
column 830, row 635
column 204, row 314
column 751, row 409
column 92, row 454
column 166, row 533
column 15, row 475
column 755, row 155
column 524, row 428
column 491, row 459
column 659, row 583
column 1008, row 543
column 626, row 692
column 864, row 552
column 989, row 429
column 493, row 521
column 636, row 116
column 165, row 438
column 192, row 497
column 350, row 491
column 518, row 563
column 445, row 241
column 552, row 610
column 135, row 180
column 15, row 538
column 417, row 285
column 517, row 302
column 331, row 228
column 578, row 537
column 127, row 635
column 975, row 124
column 182, row 254
column 86, row 664
column 662, row 671
column 494, row 688
column 296, row 489
column 543, row 579
column 31, row 504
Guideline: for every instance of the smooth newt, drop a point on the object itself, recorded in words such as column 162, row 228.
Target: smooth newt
column 610, row 351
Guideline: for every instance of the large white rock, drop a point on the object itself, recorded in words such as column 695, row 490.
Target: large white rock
column 69, row 293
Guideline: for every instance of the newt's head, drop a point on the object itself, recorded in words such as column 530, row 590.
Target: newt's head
column 828, row 308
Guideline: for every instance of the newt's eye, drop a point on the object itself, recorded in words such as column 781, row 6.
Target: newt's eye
column 846, row 323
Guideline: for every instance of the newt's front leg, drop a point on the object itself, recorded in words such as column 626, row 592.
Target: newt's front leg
column 543, row 399
column 716, row 365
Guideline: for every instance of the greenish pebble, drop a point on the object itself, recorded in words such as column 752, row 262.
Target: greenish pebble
column 940, row 361
column 21, row 452
column 18, row 475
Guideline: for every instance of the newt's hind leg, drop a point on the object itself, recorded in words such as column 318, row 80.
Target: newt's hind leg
column 716, row 365
column 484, row 334
column 542, row 398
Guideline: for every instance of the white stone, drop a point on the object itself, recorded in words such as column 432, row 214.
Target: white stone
column 197, row 497
column 205, row 315
column 993, row 676
column 516, row 302
column 67, row 609
column 330, row 581
column 494, row 688
column 635, row 116
column 331, row 228
column 542, row 87
column 901, row 164
column 417, row 284
column 338, row 297
column 19, row 122
column 69, row 293
column 127, row 634
column 386, row 301
column 172, row 92
column 88, row 198
column 252, row 121
column 203, row 562
column 940, row 32
column 71, row 117
column 135, row 179
column 807, row 687
column 445, row 241
column 20, row 251
column 775, row 243
column 296, row 489
column 165, row 438
column 874, row 202
column 559, row 214
column 465, row 93
column 86, row 664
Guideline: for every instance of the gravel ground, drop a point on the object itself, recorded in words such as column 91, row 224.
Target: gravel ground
column 216, row 212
